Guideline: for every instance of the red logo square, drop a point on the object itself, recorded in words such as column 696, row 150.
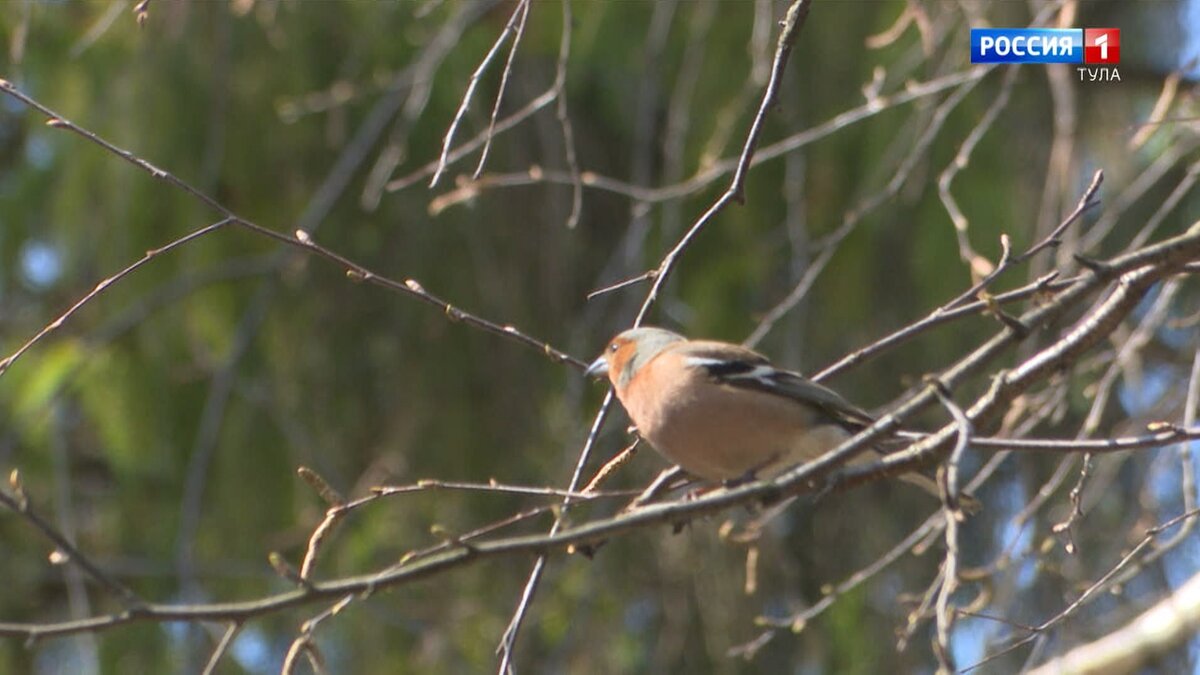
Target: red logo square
column 1102, row 45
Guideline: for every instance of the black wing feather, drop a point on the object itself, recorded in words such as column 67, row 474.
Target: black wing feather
column 760, row 377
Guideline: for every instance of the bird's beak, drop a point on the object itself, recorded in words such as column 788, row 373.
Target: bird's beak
column 599, row 368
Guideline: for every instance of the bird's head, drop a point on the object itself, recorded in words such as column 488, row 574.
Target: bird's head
column 629, row 351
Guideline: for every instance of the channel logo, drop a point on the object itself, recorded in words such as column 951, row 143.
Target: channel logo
column 1099, row 46
column 1102, row 45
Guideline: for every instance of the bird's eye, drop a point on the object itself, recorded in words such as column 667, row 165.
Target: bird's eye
column 613, row 348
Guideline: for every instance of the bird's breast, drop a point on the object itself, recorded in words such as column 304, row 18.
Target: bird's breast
column 721, row 432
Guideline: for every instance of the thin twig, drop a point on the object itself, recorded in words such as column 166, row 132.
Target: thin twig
column 414, row 177
column 1092, row 590
column 523, row 11
column 610, row 467
column 104, row 285
column 1086, row 202
column 302, row 239
column 564, row 120
column 961, row 159
column 644, row 276
column 1168, row 435
column 66, row 550
column 853, row 217
column 792, row 23
column 1132, row 286
column 499, row 488
column 714, row 171
column 1046, row 284
column 470, row 92
column 951, row 514
column 231, row 632
column 508, row 641
column 797, row 622
column 303, row 645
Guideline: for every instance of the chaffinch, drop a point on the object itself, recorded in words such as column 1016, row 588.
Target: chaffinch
column 723, row 412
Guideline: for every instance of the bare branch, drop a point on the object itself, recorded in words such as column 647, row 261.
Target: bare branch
column 520, row 10
column 794, row 21
column 302, row 240
column 523, row 11
column 952, row 515
column 65, row 551
column 231, row 632
column 1148, row 264
column 104, row 285
column 1167, row 624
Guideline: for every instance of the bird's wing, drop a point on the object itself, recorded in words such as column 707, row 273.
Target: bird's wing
column 740, row 367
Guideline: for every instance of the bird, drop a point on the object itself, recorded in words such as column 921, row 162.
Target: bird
column 723, row 412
